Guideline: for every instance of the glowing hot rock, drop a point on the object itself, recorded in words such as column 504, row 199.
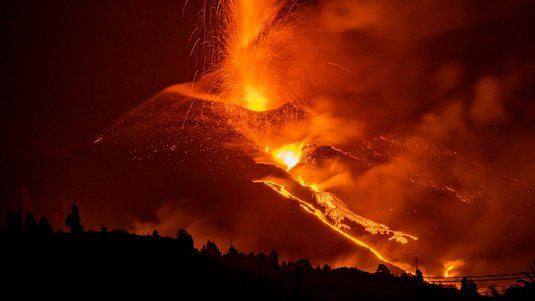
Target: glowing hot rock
column 288, row 155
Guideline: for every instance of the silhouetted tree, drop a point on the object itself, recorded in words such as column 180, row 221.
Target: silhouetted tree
column 261, row 262
column 185, row 240
column 103, row 229
column 273, row 259
column 304, row 263
column 468, row 289
column 493, row 292
column 211, row 250
column 74, row 222
column 30, row 224
column 419, row 275
column 44, row 226
column 155, row 234
column 290, row 266
column 382, row 269
column 232, row 257
column 326, row 268
column 232, row 253
column 13, row 223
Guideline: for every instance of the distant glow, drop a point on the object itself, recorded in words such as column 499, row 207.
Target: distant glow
column 448, row 269
column 450, row 265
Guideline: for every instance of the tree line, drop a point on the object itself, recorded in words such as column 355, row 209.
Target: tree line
column 162, row 265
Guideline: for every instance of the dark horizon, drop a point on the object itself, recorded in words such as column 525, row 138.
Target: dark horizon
column 76, row 256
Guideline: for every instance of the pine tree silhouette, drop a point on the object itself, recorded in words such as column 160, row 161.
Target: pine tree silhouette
column 14, row 222
column 211, row 250
column 185, row 240
column 382, row 269
column 30, row 224
column 74, row 222
column 273, row 259
column 419, row 275
column 44, row 226
column 468, row 289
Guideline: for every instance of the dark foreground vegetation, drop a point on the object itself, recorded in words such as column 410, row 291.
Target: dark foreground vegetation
column 36, row 261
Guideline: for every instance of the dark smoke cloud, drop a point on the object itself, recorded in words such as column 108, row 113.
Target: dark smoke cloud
column 458, row 75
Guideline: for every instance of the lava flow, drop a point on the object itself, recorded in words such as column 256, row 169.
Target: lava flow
column 270, row 91
column 287, row 154
column 448, row 270
column 312, row 210
column 263, row 67
column 339, row 228
column 334, row 212
column 349, row 132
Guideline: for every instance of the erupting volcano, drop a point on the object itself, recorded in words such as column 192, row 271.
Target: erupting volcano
column 261, row 69
column 271, row 82
column 330, row 129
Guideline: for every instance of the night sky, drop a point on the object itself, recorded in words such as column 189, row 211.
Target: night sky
column 70, row 69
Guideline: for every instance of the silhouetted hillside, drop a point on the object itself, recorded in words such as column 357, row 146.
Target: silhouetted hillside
column 35, row 261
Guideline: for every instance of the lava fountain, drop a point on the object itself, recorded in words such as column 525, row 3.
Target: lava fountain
column 265, row 62
column 283, row 107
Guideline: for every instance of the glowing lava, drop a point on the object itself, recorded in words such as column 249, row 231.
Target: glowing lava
column 309, row 208
column 331, row 210
column 448, row 270
column 261, row 56
column 247, row 76
column 288, row 154
column 255, row 100
column 264, row 64
column 450, row 265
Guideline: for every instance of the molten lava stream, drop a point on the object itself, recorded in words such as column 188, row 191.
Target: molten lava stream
column 318, row 214
column 253, row 74
column 288, row 154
